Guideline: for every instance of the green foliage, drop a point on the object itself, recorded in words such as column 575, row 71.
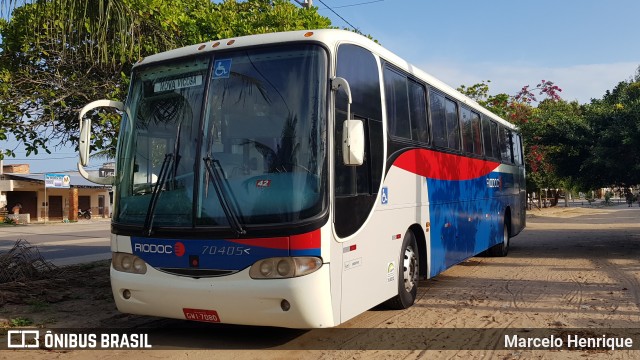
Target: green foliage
column 573, row 146
column 498, row 104
column 614, row 121
column 58, row 55
column 9, row 221
column 20, row 322
column 543, row 128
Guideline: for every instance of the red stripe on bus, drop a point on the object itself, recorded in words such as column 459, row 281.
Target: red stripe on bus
column 306, row 241
column 281, row 243
column 443, row 166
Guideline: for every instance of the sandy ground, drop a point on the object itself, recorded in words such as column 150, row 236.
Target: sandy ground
column 572, row 271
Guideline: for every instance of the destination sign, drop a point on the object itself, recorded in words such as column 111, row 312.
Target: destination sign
column 176, row 84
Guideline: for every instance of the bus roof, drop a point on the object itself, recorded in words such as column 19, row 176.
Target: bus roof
column 331, row 38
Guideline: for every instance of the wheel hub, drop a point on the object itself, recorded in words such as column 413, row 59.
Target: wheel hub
column 410, row 265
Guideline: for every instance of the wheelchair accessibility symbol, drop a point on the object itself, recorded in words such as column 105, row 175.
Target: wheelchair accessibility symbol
column 384, row 196
column 222, row 69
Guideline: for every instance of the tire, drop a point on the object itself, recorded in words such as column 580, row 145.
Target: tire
column 408, row 274
column 502, row 248
column 87, row 215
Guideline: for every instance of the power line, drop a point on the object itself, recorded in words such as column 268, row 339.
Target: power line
column 338, row 15
column 358, row 4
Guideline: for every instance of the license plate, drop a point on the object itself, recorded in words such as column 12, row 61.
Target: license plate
column 201, row 315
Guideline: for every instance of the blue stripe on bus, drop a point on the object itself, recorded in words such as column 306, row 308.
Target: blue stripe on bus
column 209, row 254
column 466, row 217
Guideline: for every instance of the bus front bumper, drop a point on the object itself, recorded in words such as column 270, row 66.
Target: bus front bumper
column 234, row 299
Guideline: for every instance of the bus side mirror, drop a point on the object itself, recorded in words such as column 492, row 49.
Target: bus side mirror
column 353, row 142
column 85, row 139
column 352, row 130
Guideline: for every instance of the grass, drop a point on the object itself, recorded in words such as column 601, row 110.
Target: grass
column 20, row 322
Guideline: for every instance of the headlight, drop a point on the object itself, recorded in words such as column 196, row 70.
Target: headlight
column 284, row 267
column 128, row 263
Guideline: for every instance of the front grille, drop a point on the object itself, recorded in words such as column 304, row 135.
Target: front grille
column 197, row 273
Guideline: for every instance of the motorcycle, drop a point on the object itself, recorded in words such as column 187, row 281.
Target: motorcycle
column 84, row 213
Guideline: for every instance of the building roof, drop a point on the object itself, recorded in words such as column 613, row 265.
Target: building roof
column 77, row 181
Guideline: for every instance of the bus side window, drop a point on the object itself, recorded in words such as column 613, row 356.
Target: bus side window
column 495, row 144
column 444, row 121
column 453, row 125
column 476, row 135
column 418, row 111
column 395, row 88
column 406, row 107
column 517, row 149
column 505, row 145
column 438, row 119
column 356, row 187
column 467, row 130
column 358, row 66
column 486, row 136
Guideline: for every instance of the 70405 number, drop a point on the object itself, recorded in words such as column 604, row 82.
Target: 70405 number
column 225, row 250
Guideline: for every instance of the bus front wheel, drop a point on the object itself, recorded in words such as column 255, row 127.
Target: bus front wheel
column 407, row 274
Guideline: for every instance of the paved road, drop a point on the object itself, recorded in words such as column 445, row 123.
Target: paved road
column 63, row 244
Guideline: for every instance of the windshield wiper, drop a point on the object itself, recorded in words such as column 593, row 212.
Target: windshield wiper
column 214, row 169
column 155, row 194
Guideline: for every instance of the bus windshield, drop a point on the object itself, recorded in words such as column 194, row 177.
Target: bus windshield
column 234, row 136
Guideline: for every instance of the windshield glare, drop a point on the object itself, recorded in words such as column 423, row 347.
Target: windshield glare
column 263, row 126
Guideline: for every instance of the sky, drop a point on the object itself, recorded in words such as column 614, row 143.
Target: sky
column 586, row 47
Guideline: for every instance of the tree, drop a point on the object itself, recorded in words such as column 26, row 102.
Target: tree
column 615, row 125
column 570, row 145
column 498, row 104
column 547, row 129
column 57, row 55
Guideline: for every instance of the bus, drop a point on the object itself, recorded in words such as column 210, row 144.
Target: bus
column 298, row 179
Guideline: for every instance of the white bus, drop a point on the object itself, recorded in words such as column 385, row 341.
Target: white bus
column 298, row 179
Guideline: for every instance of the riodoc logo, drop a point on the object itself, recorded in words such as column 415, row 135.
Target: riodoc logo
column 153, row 248
column 494, row 182
column 178, row 248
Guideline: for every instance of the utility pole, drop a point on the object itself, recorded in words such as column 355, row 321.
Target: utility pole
column 306, row 3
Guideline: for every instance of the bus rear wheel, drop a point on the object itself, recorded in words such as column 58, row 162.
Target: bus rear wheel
column 408, row 273
column 501, row 249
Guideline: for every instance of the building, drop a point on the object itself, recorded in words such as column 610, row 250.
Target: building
column 17, row 186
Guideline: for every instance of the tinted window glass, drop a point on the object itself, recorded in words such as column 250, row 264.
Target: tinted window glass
column 360, row 69
column 397, row 99
column 505, row 145
column 495, row 144
column 477, row 137
column 356, row 187
column 438, row 119
column 453, row 129
column 467, row 133
column 486, row 134
column 517, row 149
column 418, row 111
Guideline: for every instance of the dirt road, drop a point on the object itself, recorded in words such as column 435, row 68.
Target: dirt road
column 572, row 270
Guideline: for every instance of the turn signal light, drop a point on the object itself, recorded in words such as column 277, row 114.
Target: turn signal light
column 284, row 267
